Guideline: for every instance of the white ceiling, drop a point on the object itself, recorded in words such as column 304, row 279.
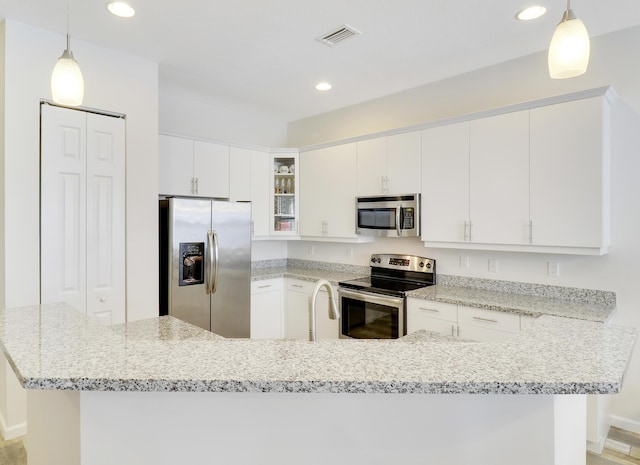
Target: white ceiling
column 263, row 53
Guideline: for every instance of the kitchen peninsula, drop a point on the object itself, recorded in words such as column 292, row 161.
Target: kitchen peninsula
column 161, row 391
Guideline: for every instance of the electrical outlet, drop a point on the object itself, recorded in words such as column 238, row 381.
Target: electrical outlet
column 464, row 261
column 493, row 265
column 553, row 269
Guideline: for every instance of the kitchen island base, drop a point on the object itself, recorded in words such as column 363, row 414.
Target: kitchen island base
column 140, row 428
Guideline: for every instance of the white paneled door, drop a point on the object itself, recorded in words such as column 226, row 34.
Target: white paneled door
column 83, row 212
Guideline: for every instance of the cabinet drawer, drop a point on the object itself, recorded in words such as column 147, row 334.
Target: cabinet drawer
column 489, row 319
column 431, row 309
column 298, row 285
column 266, row 285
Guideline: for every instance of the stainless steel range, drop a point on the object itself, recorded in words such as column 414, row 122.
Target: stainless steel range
column 375, row 307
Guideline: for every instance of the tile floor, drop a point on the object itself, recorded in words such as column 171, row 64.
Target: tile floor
column 622, row 448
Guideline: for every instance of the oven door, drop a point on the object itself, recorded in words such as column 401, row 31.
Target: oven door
column 365, row 315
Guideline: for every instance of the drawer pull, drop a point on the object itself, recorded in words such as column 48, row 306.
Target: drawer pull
column 297, row 285
column 265, row 286
column 488, row 320
column 430, row 310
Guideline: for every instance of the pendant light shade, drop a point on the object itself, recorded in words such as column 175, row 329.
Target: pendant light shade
column 569, row 49
column 67, row 83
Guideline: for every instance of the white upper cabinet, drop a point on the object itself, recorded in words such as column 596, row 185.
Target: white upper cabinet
column 499, row 179
column 389, row 165
column 211, row 169
column 285, row 187
column 240, row 171
column 445, row 183
column 530, row 180
column 192, row 168
column 570, row 174
column 327, row 192
column 249, row 182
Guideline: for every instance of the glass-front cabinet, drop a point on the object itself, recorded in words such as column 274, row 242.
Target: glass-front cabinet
column 284, row 193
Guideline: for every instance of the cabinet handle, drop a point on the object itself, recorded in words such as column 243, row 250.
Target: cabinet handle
column 458, row 331
column 429, row 310
column 530, row 232
column 193, row 186
column 252, row 228
column 297, row 285
column 453, row 329
column 466, row 231
column 488, row 320
column 196, row 185
column 470, row 231
column 265, row 286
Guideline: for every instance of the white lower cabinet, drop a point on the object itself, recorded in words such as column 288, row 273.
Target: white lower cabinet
column 297, row 313
column 438, row 317
column 266, row 309
column 475, row 324
column 479, row 324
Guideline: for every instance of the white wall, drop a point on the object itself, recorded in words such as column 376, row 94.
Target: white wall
column 115, row 82
column 614, row 61
column 192, row 115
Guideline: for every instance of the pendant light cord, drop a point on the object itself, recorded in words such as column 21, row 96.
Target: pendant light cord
column 68, row 37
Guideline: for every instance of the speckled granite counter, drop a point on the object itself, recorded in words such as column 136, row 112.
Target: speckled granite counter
column 515, row 303
column 504, row 296
column 56, row 347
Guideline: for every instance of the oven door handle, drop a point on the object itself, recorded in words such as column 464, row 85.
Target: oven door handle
column 371, row 297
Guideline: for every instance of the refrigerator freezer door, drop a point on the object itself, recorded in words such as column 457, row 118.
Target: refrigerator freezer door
column 189, row 221
column 231, row 301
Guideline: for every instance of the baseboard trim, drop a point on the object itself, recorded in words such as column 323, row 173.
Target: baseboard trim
column 625, row 424
column 12, row 432
column 597, row 447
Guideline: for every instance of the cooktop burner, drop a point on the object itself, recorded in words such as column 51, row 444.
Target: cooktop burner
column 396, row 274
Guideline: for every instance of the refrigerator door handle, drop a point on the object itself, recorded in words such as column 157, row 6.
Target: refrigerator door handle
column 214, row 262
column 209, row 267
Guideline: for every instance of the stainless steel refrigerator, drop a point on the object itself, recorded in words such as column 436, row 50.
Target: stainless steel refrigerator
column 205, row 263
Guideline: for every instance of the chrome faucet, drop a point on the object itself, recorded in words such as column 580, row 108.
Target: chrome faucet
column 334, row 313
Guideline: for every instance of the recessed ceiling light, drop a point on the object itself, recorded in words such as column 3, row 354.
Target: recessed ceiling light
column 323, row 86
column 530, row 13
column 121, row 9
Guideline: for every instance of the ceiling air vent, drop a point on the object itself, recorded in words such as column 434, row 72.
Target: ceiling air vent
column 338, row 35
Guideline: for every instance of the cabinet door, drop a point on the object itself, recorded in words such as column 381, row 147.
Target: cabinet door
column 284, row 188
column 328, row 192
column 266, row 309
column 240, row 171
column 211, row 169
column 445, row 183
column 372, row 166
column 297, row 317
column 569, row 169
column 260, row 172
column 403, row 163
column 175, row 166
column 499, row 182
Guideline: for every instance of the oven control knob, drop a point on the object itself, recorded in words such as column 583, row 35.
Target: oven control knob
column 428, row 266
column 421, row 265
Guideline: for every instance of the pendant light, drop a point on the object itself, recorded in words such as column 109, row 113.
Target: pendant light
column 569, row 49
column 67, row 84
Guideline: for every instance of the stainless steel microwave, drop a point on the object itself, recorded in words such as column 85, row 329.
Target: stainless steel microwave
column 388, row 215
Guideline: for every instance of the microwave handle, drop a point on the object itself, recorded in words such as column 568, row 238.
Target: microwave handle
column 398, row 216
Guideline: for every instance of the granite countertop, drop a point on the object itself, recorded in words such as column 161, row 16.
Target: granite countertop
column 305, row 274
column 515, row 303
column 583, row 304
column 55, row 347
